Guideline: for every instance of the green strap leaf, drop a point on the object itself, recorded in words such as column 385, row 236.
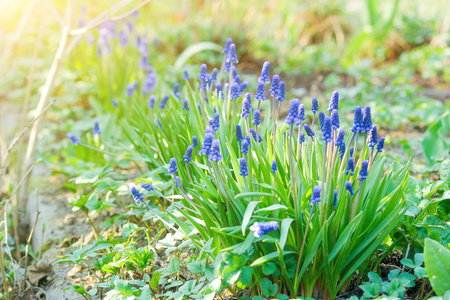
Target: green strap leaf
column 248, row 214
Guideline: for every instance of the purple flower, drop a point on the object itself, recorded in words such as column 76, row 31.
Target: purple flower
column 173, row 166
column 293, row 112
column 235, row 91
column 114, row 103
column 214, row 75
column 163, row 102
column 136, row 195
column 246, row 105
column 207, row 142
column 335, row 120
column 308, row 130
column 228, row 43
column 239, row 136
column 340, row 139
column 334, row 101
column 335, row 198
column 232, row 56
column 349, row 188
column 219, row 92
column 350, row 166
column 301, row 139
column 74, row 139
column 358, row 124
column 243, row 86
column 245, row 146
column 367, row 118
column 363, row 172
column 151, row 101
column 256, row 117
column 351, row 151
column 342, row 150
column 243, row 167
column 380, row 145
column 265, row 73
column 373, row 137
column 260, row 95
column 185, row 105
column 301, row 114
column 96, row 129
column 130, row 90
column 199, row 108
column 321, row 120
column 275, row 85
column 216, row 122
column 326, row 132
column 147, row 186
column 274, row 166
column 315, row 105
column 247, row 138
column 215, row 152
column 263, row 228
column 281, row 94
column 253, row 132
column 203, row 76
column 178, row 182
column 315, row 197
column 188, row 154
column 186, row 75
column 176, row 89
column 194, row 141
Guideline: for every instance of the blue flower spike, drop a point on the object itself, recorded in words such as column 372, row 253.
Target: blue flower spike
column 260, row 229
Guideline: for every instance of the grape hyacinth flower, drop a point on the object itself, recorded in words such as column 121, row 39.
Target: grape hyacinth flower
column 74, row 139
column 194, row 141
column 265, row 73
column 335, row 198
column 274, row 166
column 301, row 114
column 130, row 90
column 247, row 138
column 207, row 142
column 293, row 112
column 176, row 90
column 263, row 228
column 234, row 75
column 203, row 76
column 321, row 120
column 239, row 136
column 367, row 118
column 151, row 101
column 178, row 182
column 326, row 132
column 185, row 105
column 186, row 75
column 380, row 145
column 115, row 103
column 260, row 94
column 256, row 117
column 147, row 186
column 243, row 167
column 199, row 108
column 228, row 43
column 281, row 94
column 308, row 130
column 232, row 56
column 315, row 197
column 363, row 172
column 219, row 91
column 214, row 75
column 163, row 102
column 373, row 137
column 244, row 148
column 215, row 152
column 340, row 139
column 352, row 149
column 136, row 195
column 235, row 91
column 96, row 129
column 302, row 137
column 243, row 86
column 275, row 85
column 335, row 120
column 216, row 122
column 188, row 154
column 334, row 101
column 253, row 132
column 246, row 105
column 350, row 166
column 342, row 150
column 349, row 188
column 173, row 166
column 315, row 105
column 358, row 124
